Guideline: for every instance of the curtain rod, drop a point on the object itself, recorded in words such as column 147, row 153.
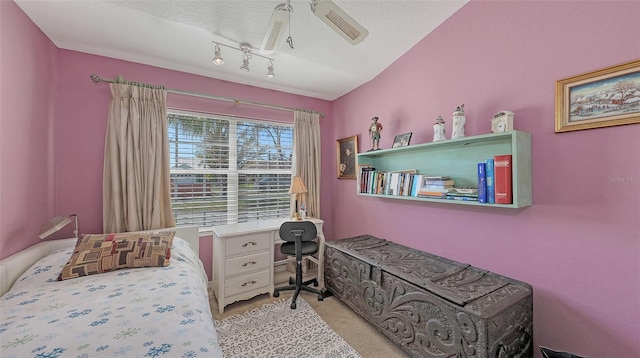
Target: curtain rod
column 97, row 79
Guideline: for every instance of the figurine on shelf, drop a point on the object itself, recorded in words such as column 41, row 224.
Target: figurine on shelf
column 438, row 129
column 458, row 123
column 374, row 133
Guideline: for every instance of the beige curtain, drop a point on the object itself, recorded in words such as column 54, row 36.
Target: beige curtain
column 136, row 183
column 306, row 149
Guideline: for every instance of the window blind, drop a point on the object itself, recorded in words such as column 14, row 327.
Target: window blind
column 228, row 170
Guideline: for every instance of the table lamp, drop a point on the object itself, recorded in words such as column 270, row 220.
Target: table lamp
column 297, row 188
column 54, row 225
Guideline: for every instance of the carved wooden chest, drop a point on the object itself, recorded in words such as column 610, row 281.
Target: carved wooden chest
column 429, row 305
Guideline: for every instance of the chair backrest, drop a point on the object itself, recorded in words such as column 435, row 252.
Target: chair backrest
column 305, row 229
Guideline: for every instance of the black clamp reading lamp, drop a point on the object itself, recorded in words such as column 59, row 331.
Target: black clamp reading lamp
column 54, row 225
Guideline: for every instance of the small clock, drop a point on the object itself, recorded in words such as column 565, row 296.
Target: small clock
column 502, row 122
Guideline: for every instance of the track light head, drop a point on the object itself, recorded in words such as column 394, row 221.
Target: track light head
column 245, row 65
column 270, row 72
column 217, row 58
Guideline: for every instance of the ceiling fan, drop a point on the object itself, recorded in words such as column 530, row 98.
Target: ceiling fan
column 330, row 13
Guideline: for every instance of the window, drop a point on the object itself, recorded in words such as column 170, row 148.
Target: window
column 228, row 170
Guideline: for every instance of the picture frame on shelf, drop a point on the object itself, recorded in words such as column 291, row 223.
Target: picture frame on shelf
column 402, row 140
column 603, row 98
column 346, row 154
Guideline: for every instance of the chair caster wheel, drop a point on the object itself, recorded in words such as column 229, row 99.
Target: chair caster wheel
column 315, row 283
column 320, row 297
column 293, row 305
column 276, row 293
column 291, row 281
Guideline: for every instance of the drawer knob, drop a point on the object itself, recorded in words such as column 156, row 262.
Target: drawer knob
column 252, row 243
column 252, row 282
column 249, row 263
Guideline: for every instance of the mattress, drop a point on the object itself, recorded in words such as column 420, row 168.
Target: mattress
column 140, row 312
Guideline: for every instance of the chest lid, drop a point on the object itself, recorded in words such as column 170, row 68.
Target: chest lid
column 454, row 281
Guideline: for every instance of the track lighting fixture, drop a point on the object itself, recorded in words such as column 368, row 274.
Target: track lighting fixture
column 247, row 54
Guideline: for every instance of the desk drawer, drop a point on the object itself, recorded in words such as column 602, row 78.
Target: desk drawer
column 236, row 285
column 243, row 245
column 248, row 263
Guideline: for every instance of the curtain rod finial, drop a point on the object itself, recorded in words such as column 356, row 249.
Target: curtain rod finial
column 95, row 78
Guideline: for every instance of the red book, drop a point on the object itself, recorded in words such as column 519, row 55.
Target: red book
column 502, row 179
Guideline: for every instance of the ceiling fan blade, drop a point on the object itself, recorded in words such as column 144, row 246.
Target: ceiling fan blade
column 339, row 21
column 276, row 28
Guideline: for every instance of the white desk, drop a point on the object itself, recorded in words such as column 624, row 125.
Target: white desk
column 243, row 259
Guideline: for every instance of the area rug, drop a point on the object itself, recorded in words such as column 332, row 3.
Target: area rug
column 275, row 330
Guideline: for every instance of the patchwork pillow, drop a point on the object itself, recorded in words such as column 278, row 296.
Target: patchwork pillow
column 98, row 253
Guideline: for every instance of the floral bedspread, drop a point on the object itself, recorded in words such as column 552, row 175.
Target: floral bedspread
column 142, row 312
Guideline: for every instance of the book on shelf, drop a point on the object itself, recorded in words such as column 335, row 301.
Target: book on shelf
column 462, row 197
column 502, row 165
column 415, row 184
column 482, row 182
column 380, row 183
column 387, row 183
column 455, row 193
column 426, row 192
column 393, row 184
column 364, row 175
column 437, row 182
column 490, row 181
column 432, row 195
column 402, row 183
column 465, row 191
column 437, row 177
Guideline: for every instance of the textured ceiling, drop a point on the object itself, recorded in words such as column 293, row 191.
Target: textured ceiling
column 178, row 35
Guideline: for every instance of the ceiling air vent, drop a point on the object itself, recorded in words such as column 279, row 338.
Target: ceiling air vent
column 339, row 21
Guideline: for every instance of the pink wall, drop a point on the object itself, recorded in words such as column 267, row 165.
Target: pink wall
column 579, row 244
column 28, row 105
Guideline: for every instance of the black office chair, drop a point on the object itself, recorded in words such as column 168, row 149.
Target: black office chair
column 300, row 241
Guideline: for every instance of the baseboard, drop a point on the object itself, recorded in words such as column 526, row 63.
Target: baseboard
column 279, row 266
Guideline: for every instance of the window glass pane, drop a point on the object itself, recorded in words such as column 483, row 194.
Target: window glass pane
column 227, row 170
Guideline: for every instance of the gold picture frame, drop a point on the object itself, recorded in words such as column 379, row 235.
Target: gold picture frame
column 346, row 154
column 602, row 98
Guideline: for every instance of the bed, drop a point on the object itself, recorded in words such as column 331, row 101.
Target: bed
column 160, row 311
